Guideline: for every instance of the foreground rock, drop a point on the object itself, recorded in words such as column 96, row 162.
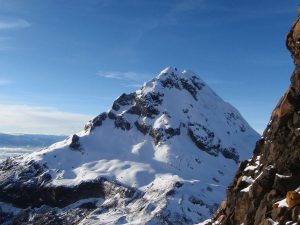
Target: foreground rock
column 265, row 189
column 161, row 155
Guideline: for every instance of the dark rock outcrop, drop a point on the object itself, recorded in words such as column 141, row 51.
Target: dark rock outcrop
column 51, row 216
column 32, row 193
column 124, row 99
column 192, row 86
column 142, row 127
column 210, row 143
column 75, row 144
column 96, row 122
column 31, row 187
column 121, row 122
column 272, row 175
column 147, row 106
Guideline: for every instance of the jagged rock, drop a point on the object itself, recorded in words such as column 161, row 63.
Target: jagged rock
column 292, row 199
column 272, row 195
column 147, row 106
column 75, row 144
column 142, row 127
column 209, row 143
column 189, row 87
column 123, row 100
column 296, row 213
column 111, row 115
column 50, row 217
column 157, row 135
column 286, row 183
column 96, row 122
column 121, row 122
column 171, row 132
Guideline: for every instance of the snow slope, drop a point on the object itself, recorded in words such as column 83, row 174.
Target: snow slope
column 174, row 141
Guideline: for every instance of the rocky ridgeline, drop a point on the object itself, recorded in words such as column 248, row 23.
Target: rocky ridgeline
column 266, row 189
column 146, row 105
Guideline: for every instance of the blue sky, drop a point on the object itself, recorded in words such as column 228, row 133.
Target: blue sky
column 63, row 62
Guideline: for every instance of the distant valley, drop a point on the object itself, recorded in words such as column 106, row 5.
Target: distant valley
column 16, row 144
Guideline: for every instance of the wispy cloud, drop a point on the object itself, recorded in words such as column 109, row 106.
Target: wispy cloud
column 136, row 85
column 13, row 23
column 129, row 75
column 34, row 119
column 127, row 79
column 4, row 82
column 10, row 24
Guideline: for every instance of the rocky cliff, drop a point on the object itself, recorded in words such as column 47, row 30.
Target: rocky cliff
column 161, row 155
column 266, row 189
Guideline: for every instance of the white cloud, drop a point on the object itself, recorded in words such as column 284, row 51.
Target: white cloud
column 133, row 85
column 42, row 120
column 15, row 23
column 4, row 82
column 131, row 76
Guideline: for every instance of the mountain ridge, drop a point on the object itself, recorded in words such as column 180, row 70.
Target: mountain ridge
column 163, row 154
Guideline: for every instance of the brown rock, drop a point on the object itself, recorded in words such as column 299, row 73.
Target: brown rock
column 296, row 214
column 220, row 212
column 279, row 153
column 286, row 183
column 221, row 218
column 272, row 195
column 244, row 204
column 275, row 206
column 292, row 199
column 278, row 212
column 267, row 222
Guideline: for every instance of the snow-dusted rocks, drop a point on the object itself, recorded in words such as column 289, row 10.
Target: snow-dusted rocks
column 161, row 155
column 266, row 189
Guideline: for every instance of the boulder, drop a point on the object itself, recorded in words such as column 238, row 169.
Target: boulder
column 293, row 199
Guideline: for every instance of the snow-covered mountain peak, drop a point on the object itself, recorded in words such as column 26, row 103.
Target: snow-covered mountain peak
column 174, row 71
column 171, row 148
column 169, row 70
column 171, row 77
column 175, row 102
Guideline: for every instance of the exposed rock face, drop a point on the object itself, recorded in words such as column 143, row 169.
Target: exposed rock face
column 292, row 199
column 161, row 155
column 265, row 188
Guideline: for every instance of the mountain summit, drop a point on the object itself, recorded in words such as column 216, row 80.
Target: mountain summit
column 161, row 155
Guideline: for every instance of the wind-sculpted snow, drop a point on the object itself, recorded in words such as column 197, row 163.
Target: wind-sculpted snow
column 161, row 155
